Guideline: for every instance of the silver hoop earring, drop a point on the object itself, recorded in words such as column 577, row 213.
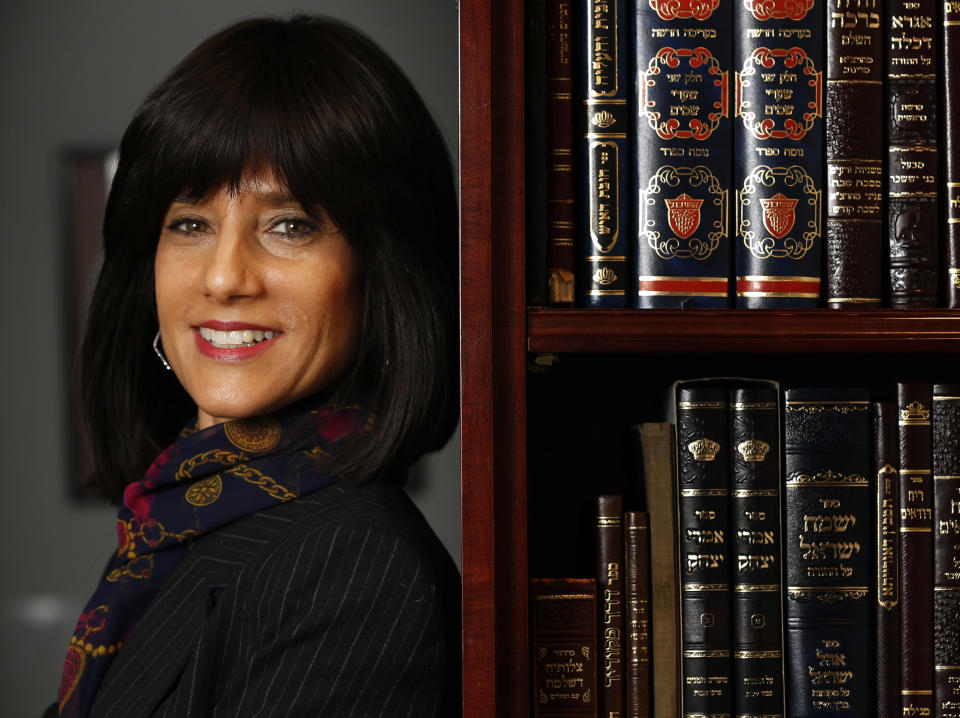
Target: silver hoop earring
column 156, row 348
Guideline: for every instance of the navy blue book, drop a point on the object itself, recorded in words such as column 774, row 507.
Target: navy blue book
column 683, row 135
column 604, row 197
column 829, row 512
column 779, row 57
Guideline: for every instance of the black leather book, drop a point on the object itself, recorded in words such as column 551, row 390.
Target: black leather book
column 703, row 473
column 886, row 460
column 828, row 514
column 855, row 166
column 950, row 93
column 755, row 525
column 946, row 550
column 912, row 160
column 610, row 574
column 916, row 548
column 604, row 168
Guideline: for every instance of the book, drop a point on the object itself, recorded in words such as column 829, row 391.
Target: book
column 912, row 161
column 703, row 501
column 564, row 639
column 916, row 548
column 755, row 526
column 949, row 92
column 886, row 460
column 561, row 213
column 657, row 441
column 535, row 152
column 946, row 550
column 778, row 159
column 636, row 560
column 683, row 138
column 604, row 164
column 854, row 147
column 610, row 572
column 828, row 516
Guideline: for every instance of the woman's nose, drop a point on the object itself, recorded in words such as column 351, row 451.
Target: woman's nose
column 232, row 272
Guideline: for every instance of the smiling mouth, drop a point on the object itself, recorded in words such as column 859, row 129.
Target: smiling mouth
column 236, row 338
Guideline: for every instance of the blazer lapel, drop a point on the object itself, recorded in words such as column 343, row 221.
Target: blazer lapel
column 151, row 660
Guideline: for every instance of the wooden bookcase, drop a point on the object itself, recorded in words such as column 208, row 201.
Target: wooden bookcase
column 499, row 335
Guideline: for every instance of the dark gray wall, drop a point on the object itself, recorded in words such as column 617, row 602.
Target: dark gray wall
column 73, row 71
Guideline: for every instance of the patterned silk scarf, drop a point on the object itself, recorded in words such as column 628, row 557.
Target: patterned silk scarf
column 204, row 480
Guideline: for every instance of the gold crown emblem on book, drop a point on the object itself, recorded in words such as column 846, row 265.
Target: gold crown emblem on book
column 704, row 449
column 605, row 275
column 753, row 450
column 604, row 119
column 915, row 411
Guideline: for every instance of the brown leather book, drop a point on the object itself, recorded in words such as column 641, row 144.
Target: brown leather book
column 564, row 621
column 946, row 550
column 855, row 166
column 636, row 559
column 887, row 459
column 560, row 176
column 916, row 549
column 610, row 572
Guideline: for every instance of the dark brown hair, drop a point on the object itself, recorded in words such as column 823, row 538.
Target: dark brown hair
column 343, row 128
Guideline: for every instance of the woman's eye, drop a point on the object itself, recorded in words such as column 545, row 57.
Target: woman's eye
column 293, row 227
column 188, row 226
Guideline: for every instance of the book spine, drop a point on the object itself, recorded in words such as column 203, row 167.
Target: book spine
column 560, row 174
column 950, row 92
column 605, row 166
column 636, row 533
column 703, row 470
column 854, row 145
column 912, row 160
column 946, row 550
column 916, row 548
column 828, row 514
column 564, row 618
column 535, row 151
column 757, row 632
column 610, row 572
column 658, row 443
column 887, row 459
column 778, row 162
column 683, row 138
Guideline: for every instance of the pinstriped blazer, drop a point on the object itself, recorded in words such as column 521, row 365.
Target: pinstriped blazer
column 339, row 603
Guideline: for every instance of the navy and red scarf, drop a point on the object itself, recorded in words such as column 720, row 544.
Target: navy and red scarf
column 204, row 480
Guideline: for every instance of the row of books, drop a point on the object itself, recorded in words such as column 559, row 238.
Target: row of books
column 799, row 554
column 767, row 153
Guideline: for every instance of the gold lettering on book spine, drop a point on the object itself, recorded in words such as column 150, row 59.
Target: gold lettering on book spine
column 888, row 570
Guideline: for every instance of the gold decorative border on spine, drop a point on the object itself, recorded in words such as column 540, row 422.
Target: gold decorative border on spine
column 687, row 405
column 563, row 597
column 747, row 493
column 744, row 405
column 767, row 588
column 690, row 493
column 828, row 478
column 757, row 654
column 693, row 653
column 706, row 587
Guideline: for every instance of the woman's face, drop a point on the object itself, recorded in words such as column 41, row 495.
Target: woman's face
column 259, row 304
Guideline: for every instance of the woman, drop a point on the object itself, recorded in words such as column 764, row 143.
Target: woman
column 280, row 279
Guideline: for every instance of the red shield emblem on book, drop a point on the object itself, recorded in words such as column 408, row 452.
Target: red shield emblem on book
column 779, row 214
column 683, row 214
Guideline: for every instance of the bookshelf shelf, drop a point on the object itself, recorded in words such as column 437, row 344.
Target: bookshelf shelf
column 736, row 331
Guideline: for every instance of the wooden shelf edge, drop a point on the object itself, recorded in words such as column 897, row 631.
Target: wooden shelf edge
column 757, row 331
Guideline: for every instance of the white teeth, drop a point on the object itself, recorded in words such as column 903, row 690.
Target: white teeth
column 229, row 340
